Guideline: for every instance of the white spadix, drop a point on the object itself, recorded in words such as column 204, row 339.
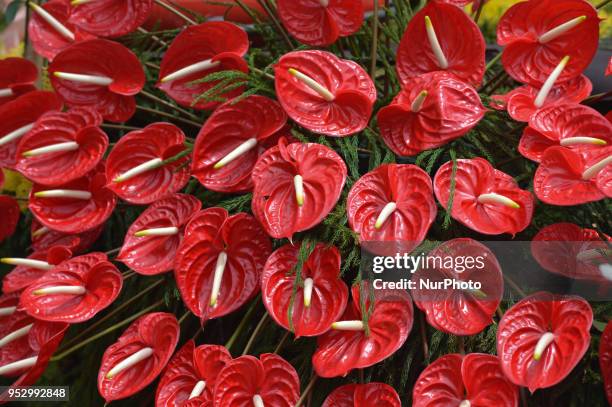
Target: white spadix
column 493, row 198
column 6, row 92
column 560, row 29
column 40, row 231
column 356, row 325
column 198, row 389
column 594, row 170
column 258, row 401
column 312, row 84
column 130, row 361
column 550, row 82
column 139, row 169
column 89, row 79
column 417, row 103
column 31, row 263
column 79, row 2
column 571, row 141
column 52, row 148
column 61, row 289
column 324, row 3
column 15, row 134
column 435, row 44
column 542, row 344
column 169, row 231
column 6, row 311
column 14, row 367
column 235, row 153
column 190, row 69
column 308, row 287
column 218, row 276
column 387, row 211
column 298, row 184
column 63, row 193
column 21, row 332
column 53, row 22
column 465, row 403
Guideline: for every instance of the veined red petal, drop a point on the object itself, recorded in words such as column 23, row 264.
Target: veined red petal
column 23, row 276
column 363, row 395
column 18, row 75
column 111, row 18
column 605, row 359
column 44, row 238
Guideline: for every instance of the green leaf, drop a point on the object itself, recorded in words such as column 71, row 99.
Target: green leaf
column 11, row 11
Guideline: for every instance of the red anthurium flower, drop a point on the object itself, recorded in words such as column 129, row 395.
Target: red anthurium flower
column 569, row 250
column 455, row 311
column 17, row 118
column 136, row 167
column 9, row 208
column 191, row 375
column 537, row 34
column 76, row 206
column 219, row 262
column 568, row 177
column 28, row 270
column 324, row 93
column 17, row 76
column 232, row 139
column 430, row 111
column 542, row 338
column 348, row 346
column 44, row 238
column 100, row 74
column 151, row 242
column 267, row 381
column 575, row 126
column 475, row 379
column 363, row 395
column 62, row 146
column 485, row 200
column 51, row 31
column 609, row 67
column 320, row 22
column 295, row 186
column 8, row 307
column 393, row 203
column 139, row 355
column 442, row 37
column 319, row 300
column 73, row 291
column 605, row 359
column 199, row 51
column 14, row 340
column 110, row 18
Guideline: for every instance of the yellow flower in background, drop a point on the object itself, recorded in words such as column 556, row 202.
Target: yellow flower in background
column 18, row 185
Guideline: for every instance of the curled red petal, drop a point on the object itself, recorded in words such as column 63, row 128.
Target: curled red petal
column 605, row 359
column 313, row 23
column 270, row 377
column 114, row 102
column 157, row 140
column 9, row 208
column 329, row 293
column 353, row 91
column 22, row 276
column 150, row 255
column 209, row 233
column 44, row 238
column 363, row 395
column 111, row 18
column 79, row 125
column 274, row 198
column 219, row 41
column 473, row 178
column 18, row 75
column 158, row 331
column 21, row 112
column 339, row 352
column 529, row 61
column 230, row 126
column 460, row 38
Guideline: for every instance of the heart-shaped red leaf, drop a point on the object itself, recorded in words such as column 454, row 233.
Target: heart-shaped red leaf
column 22, row 276
column 17, row 75
column 605, row 360
column 44, row 238
column 363, row 395
column 111, row 18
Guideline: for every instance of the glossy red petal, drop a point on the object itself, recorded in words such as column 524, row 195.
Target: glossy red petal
column 461, row 312
column 450, row 109
column 19, row 113
column 605, row 359
column 274, row 198
column 460, row 38
column 568, row 319
column 158, row 331
column 353, row 91
column 529, row 61
column 559, row 178
column 363, row 395
column 19, row 348
column 157, row 140
column 209, row 233
column 219, row 41
column 9, row 208
column 44, row 238
column 230, row 126
column 313, row 23
column 473, row 178
column 18, row 75
column 70, row 215
column 270, row 377
column 114, row 102
column 406, row 185
column 329, row 293
column 339, row 352
column 22, row 276
column 150, row 255
column 111, row 18
column 79, row 125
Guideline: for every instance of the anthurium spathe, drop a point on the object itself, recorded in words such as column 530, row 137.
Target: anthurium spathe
column 605, row 359
column 44, row 238
column 30, row 269
column 109, row 18
column 17, row 76
column 9, row 208
column 324, row 93
column 363, row 395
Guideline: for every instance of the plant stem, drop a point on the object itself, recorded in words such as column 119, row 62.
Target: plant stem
column 184, row 317
column 175, row 11
column 277, row 23
column 258, row 328
column 602, row 4
column 168, row 104
column 168, row 115
column 424, row 339
column 243, row 323
column 119, row 126
column 461, row 344
column 282, row 342
column 153, row 37
column 307, row 390
column 515, row 286
column 262, row 73
column 374, row 40
column 113, row 251
column 479, row 11
column 493, row 61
